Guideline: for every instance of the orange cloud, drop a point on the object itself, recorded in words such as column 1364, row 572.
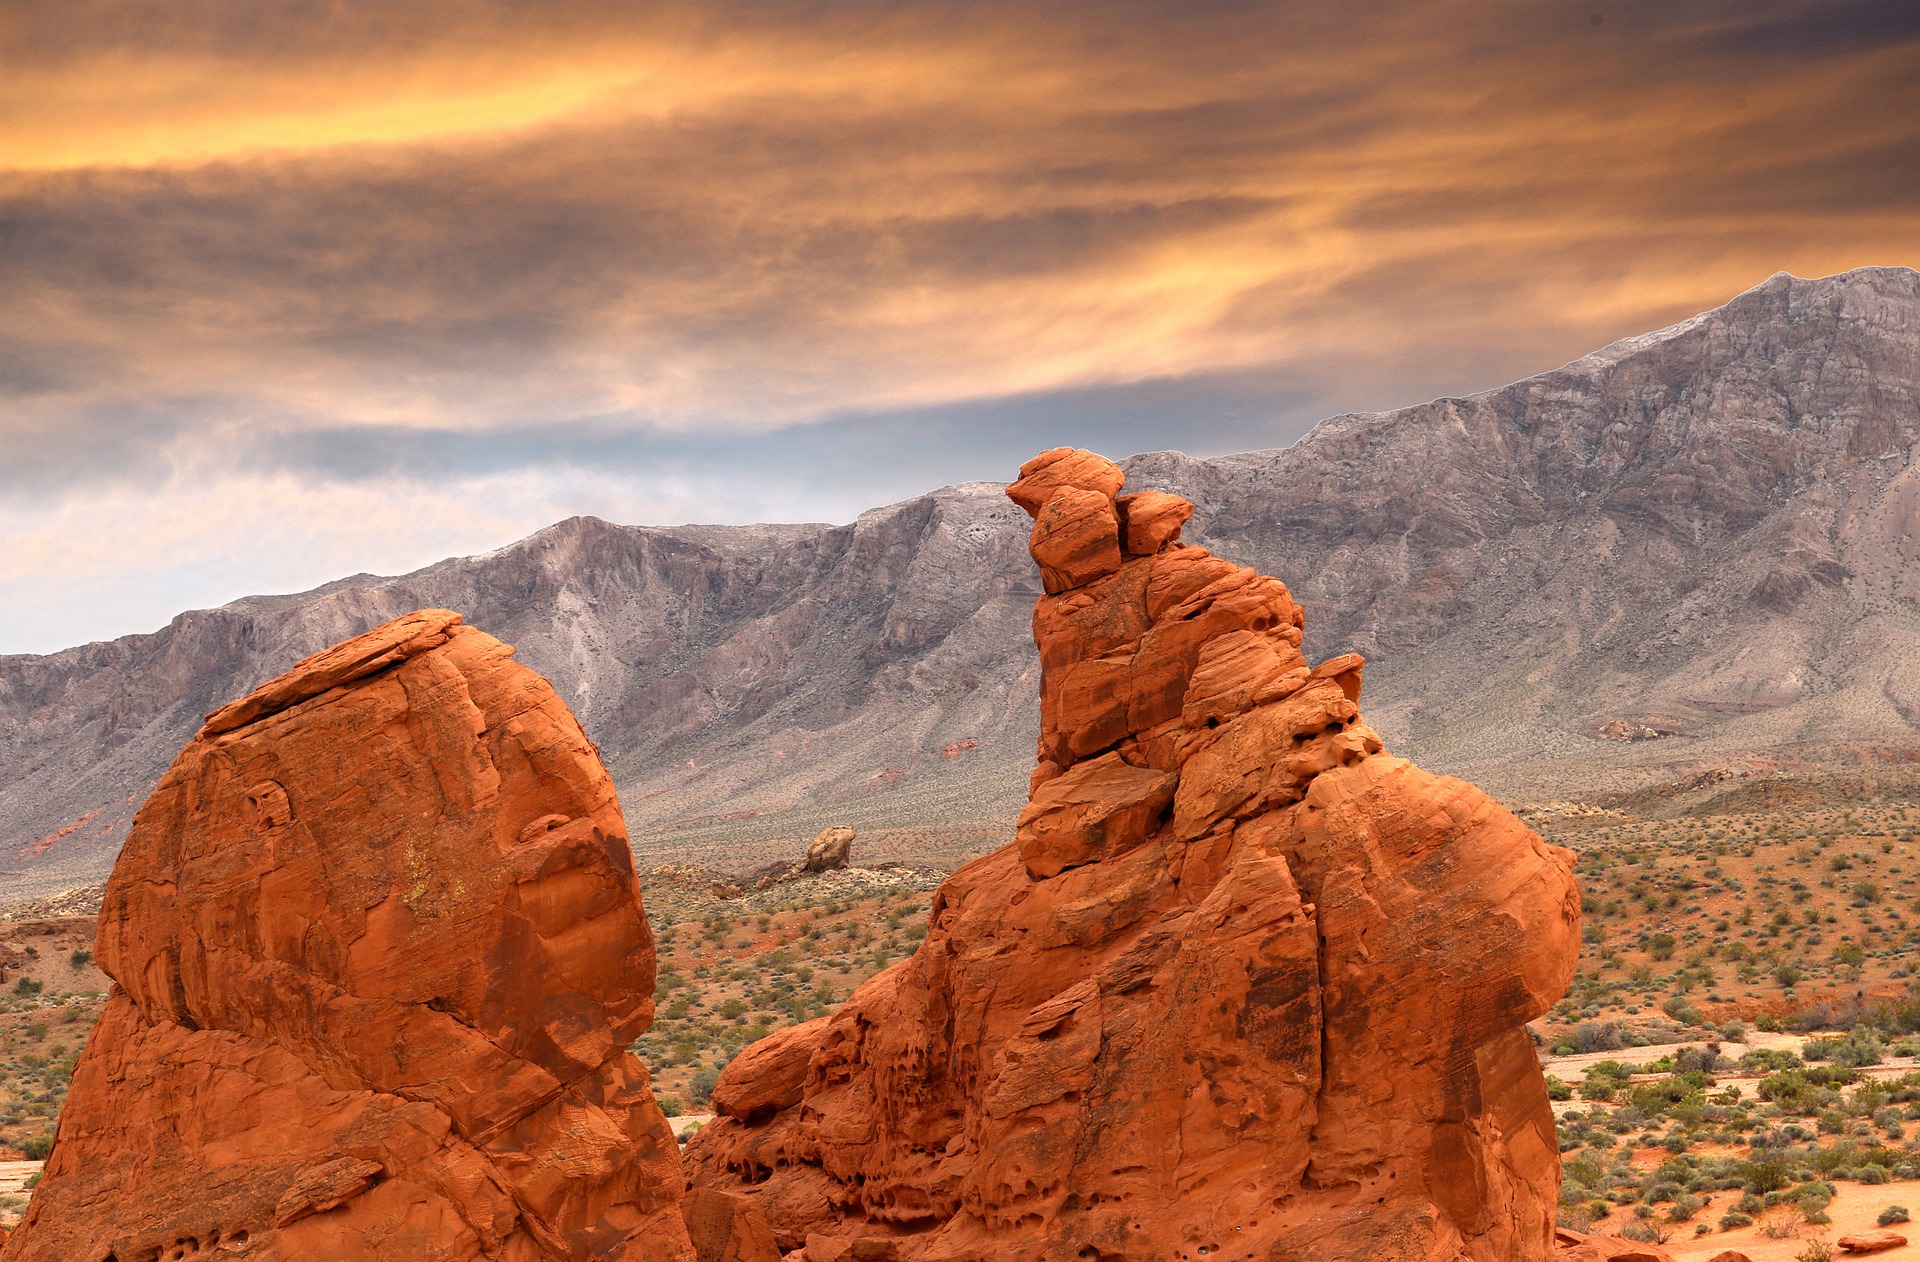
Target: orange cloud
column 225, row 227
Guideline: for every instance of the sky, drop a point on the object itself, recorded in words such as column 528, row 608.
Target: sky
column 295, row 291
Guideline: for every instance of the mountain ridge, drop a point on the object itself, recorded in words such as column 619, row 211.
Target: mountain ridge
column 1706, row 531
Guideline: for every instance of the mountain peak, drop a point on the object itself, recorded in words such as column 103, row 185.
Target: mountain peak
column 1704, row 532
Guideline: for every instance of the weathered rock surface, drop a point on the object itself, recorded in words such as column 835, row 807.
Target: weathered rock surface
column 727, row 1228
column 1244, row 986
column 829, row 850
column 379, row 954
column 1705, row 531
column 1575, row 1247
column 1871, row 1242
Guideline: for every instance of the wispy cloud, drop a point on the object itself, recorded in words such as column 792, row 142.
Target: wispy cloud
column 582, row 257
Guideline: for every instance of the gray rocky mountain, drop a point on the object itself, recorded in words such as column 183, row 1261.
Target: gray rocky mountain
column 1693, row 550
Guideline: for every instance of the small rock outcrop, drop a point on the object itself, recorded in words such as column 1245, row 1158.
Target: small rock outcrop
column 826, row 853
column 379, row 955
column 829, row 850
column 1243, row 987
column 1575, row 1247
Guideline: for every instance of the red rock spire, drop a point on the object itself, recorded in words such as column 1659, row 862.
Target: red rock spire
column 1243, row 986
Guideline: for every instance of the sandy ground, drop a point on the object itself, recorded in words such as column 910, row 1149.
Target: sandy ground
column 1854, row 1208
column 14, row 1175
column 687, row 1124
column 1571, row 1069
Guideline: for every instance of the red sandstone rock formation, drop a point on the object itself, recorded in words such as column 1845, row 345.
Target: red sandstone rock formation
column 380, row 955
column 727, row 1228
column 1872, row 1242
column 1575, row 1247
column 1243, row 987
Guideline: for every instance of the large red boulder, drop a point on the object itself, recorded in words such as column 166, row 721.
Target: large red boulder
column 379, row 955
column 1244, row 986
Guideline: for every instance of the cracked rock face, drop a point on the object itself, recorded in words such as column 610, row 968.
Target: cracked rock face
column 1244, row 986
column 379, row 955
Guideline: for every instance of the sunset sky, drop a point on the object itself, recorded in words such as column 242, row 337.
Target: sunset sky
column 290, row 291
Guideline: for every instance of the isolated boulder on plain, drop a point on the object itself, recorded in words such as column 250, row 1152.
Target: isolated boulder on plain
column 829, row 850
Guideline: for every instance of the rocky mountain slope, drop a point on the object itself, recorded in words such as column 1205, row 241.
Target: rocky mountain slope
column 1703, row 538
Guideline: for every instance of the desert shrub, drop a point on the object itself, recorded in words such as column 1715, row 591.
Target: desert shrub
column 37, row 1147
column 1764, row 1174
column 1660, row 946
column 1859, row 1049
column 1705, row 1059
column 1897, row 1016
column 1790, row 1089
column 703, row 1084
column 1603, row 1080
column 1657, row 1097
column 1829, row 1014
column 1780, row 1223
column 1872, row 1172
column 1893, row 1214
column 1557, row 1089
column 1596, row 1036
column 1768, row 1059
column 1832, row 1075
column 1578, row 1217
column 1681, row 1009
column 1733, row 1219
column 1813, row 1197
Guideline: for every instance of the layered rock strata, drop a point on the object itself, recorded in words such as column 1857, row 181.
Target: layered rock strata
column 379, row 955
column 1244, row 986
